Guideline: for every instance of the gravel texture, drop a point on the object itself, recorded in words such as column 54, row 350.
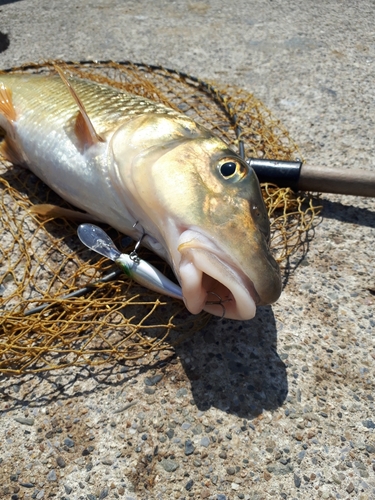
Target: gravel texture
column 278, row 407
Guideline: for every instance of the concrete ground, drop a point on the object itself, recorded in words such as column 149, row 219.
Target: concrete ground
column 278, row 407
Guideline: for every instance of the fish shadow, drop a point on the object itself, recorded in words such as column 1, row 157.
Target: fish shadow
column 231, row 365
column 234, row 366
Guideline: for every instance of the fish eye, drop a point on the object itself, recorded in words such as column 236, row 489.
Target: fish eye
column 231, row 169
column 228, row 168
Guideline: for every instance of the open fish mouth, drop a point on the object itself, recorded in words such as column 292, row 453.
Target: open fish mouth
column 211, row 280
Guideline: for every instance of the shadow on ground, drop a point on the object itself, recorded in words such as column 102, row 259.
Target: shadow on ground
column 349, row 214
column 232, row 366
column 5, row 2
column 4, row 40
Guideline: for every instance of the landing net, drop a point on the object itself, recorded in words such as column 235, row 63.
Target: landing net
column 42, row 261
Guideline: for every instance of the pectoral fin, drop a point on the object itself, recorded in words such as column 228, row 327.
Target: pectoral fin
column 8, row 147
column 6, row 104
column 55, row 212
column 84, row 128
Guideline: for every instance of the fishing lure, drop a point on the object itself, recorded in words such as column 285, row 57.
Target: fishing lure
column 134, row 267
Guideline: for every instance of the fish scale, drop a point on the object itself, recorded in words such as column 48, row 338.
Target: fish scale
column 49, row 94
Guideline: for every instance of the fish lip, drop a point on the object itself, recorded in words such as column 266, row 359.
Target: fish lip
column 224, row 257
column 237, row 291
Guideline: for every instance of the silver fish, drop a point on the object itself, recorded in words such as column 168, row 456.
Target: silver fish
column 146, row 169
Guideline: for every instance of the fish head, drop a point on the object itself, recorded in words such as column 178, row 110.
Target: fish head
column 204, row 205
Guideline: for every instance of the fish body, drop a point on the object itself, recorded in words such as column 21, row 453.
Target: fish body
column 151, row 173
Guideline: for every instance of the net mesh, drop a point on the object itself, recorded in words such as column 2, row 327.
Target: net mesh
column 42, row 260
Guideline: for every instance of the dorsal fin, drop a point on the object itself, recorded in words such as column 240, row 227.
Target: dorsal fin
column 84, row 128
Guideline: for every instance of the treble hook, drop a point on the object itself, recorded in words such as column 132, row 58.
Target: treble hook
column 220, row 303
column 134, row 255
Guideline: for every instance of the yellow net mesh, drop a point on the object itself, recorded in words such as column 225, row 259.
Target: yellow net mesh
column 42, row 261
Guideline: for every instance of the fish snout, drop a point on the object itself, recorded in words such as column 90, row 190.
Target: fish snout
column 211, row 281
column 267, row 280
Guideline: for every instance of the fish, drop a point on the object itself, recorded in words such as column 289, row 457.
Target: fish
column 152, row 173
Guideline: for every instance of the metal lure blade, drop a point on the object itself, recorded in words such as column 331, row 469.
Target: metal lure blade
column 97, row 240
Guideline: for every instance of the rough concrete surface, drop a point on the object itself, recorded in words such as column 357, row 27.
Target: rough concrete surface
column 278, row 407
